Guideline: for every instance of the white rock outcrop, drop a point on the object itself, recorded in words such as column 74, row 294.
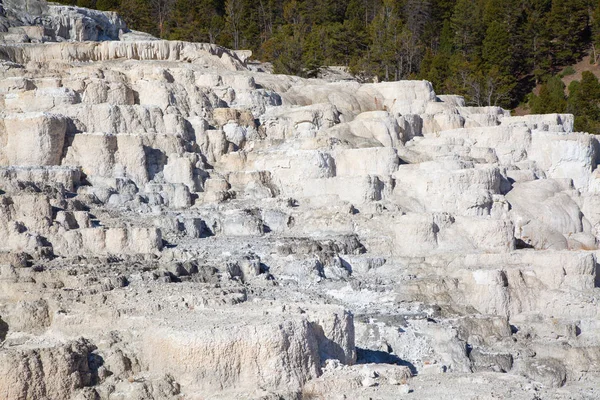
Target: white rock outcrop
column 175, row 225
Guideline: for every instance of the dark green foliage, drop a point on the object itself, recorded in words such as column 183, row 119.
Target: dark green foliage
column 552, row 98
column 584, row 103
column 569, row 22
column 468, row 27
column 285, row 49
column 107, row 5
column 595, row 32
column 138, row 15
column 490, row 51
column 568, row 71
column 86, row 3
column 536, row 39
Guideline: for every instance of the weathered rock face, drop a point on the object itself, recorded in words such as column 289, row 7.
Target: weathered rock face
column 36, row 21
column 173, row 224
column 46, row 372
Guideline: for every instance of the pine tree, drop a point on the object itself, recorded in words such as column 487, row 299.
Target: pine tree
column 386, row 59
column 537, row 39
column 584, row 103
column 417, row 15
column 490, row 51
column 496, row 48
column 468, row 27
column 595, row 31
column 355, row 29
column 233, row 21
column 569, row 26
column 462, row 78
column 551, row 99
column 86, row 3
column 440, row 13
column 137, row 15
column 313, row 52
column 182, row 24
column 585, row 95
column 107, row 5
column 435, row 69
column 499, row 63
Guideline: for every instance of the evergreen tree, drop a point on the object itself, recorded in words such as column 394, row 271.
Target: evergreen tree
column 138, row 15
column 551, row 99
column 107, row 5
column 313, row 52
column 584, row 103
column 499, row 62
column 386, row 59
column 595, row 31
column 183, row 23
column 435, row 69
column 468, row 27
column 355, row 33
column 537, row 39
column 440, row 13
column 462, row 78
column 569, row 26
column 86, row 3
column 584, row 96
column 233, row 21
column 250, row 27
column 490, row 51
column 285, row 49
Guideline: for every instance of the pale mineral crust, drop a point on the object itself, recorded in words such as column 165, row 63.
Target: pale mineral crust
column 176, row 225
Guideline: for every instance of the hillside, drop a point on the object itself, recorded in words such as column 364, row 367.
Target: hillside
column 567, row 75
column 175, row 224
column 492, row 52
column 584, row 65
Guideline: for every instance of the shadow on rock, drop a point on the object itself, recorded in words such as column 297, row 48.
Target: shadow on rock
column 366, row 356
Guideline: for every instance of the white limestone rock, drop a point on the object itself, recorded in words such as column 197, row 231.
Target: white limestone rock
column 546, row 122
column 572, row 156
column 546, row 216
column 32, row 139
column 447, row 186
column 286, row 349
column 298, row 122
column 54, row 371
column 195, row 219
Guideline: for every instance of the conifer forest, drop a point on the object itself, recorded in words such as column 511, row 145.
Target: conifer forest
column 493, row 52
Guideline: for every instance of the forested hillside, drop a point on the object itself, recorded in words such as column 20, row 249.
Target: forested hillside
column 492, row 51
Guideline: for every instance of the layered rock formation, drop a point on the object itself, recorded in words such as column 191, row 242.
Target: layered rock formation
column 174, row 225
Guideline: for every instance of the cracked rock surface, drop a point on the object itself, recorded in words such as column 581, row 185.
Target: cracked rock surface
column 176, row 225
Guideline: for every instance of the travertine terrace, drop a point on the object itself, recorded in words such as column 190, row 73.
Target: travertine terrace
column 176, row 224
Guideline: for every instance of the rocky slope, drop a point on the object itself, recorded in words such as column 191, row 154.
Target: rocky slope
column 174, row 225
